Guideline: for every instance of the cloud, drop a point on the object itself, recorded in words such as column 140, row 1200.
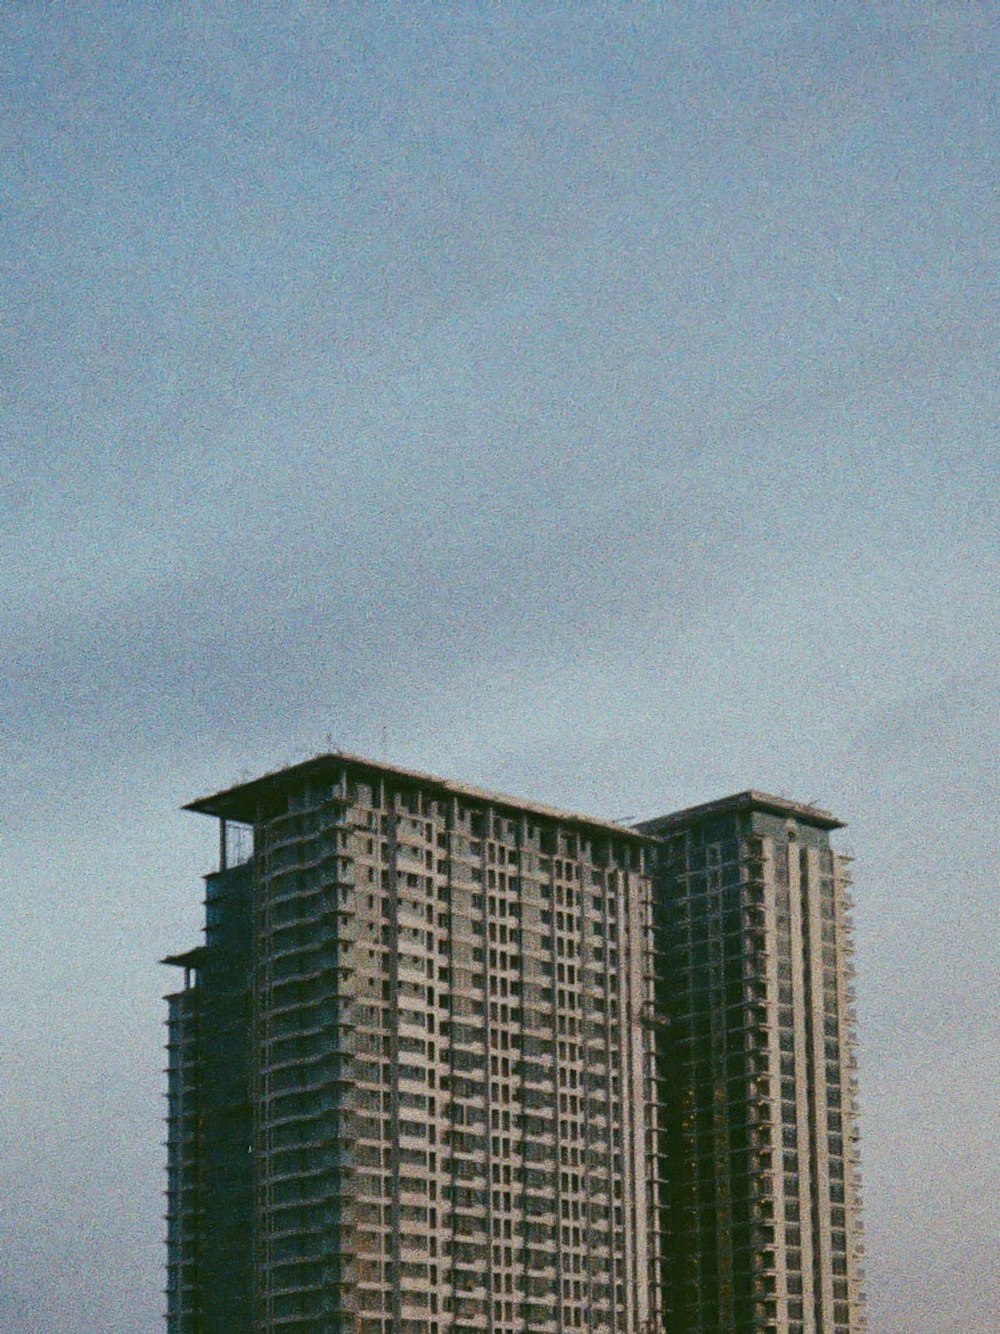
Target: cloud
column 597, row 404
column 951, row 716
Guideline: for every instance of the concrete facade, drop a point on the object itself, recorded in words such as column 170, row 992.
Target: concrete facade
column 447, row 1115
column 448, row 1062
column 758, row 1174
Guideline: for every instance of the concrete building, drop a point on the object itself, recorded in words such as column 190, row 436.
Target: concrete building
column 448, row 1062
column 757, row 1163
column 411, row 1067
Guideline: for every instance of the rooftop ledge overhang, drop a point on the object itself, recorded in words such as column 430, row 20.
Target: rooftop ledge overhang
column 192, row 958
column 243, row 802
column 740, row 802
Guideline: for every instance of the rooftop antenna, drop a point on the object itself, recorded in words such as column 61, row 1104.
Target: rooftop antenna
column 385, row 743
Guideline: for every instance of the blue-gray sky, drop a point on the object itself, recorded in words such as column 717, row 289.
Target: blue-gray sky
column 595, row 402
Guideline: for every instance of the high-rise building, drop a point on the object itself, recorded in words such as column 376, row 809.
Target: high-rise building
column 410, row 1069
column 449, row 1062
column 757, row 1163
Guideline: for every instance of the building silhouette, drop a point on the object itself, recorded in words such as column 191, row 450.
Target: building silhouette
column 449, row 1062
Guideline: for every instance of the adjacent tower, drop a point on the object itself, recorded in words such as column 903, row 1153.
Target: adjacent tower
column 411, row 1067
column 757, row 1160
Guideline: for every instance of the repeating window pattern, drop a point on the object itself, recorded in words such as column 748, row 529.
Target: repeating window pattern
column 758, row 1184
column 452, row 1076
column 447, row 1063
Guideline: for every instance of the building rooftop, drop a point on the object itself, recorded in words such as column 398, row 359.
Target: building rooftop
column 240, row 802
column 192, row 958
column 743, row 801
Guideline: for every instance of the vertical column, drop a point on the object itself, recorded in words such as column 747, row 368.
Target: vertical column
column 819, row 1163
column 392, row 925
column 634, row 1186
column 776, row 963
column 555, row 898
column 262, row 973
column 850, row 1313
column 801, row 1070
column 492, row 1058
column 526, row 856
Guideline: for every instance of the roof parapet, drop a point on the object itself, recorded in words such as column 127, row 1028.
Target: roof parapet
column 241, row 801
column 751, row 800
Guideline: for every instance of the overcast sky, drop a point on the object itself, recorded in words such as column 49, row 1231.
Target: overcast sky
column 592, row 402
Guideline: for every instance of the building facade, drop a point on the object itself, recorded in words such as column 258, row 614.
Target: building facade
column 411, row 1068
column 757, row 1162
column 210, row 1126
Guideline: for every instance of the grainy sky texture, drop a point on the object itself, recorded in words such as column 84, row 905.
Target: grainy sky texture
column 594, row 402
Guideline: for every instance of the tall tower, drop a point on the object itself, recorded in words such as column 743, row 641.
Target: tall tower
column 758, row 1180
column 420, row 1011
